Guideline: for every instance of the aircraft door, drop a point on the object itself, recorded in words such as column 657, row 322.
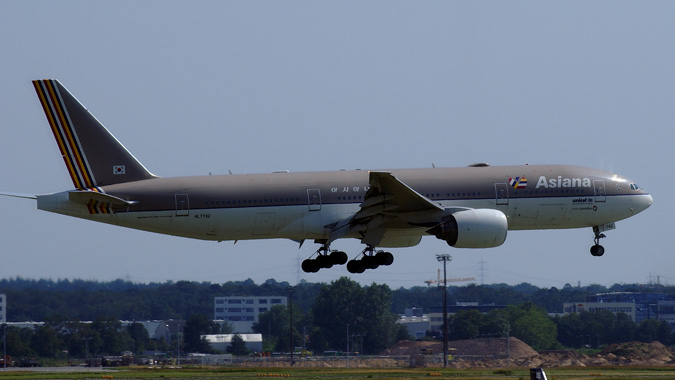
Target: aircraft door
column 314, row 199
column 599, row 189
column 502, row 193
column 182, row 205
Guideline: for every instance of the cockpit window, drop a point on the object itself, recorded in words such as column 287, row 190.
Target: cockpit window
column 634, row 187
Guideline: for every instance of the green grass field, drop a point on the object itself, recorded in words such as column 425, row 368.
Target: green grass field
column 603, row 373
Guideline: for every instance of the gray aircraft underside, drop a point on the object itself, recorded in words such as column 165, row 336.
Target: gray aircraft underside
column 468, row 207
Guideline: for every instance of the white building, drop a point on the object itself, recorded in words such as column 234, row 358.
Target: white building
column 222, row 341
column 242, row 312
column 3, row 308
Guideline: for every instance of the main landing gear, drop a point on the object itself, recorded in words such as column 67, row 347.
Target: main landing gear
column 324, row 259
column 370, row 260
column 597, row 249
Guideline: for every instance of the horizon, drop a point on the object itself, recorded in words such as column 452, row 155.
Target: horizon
column 125, row 281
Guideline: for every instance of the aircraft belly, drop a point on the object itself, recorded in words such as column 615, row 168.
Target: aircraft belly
column 560, row 212
column 577, row 212
column 521, row 213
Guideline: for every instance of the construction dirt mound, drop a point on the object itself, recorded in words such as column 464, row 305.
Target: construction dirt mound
column 500, row 352
column 469, row 349
column 653, row 353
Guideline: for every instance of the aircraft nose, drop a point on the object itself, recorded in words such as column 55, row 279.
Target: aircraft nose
column 649, row 200
column 642, row 202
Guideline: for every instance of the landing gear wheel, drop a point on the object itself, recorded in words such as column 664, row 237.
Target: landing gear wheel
column 597, row 250
column 338, row 257
column 324, row 258
column 310, row 266
column 356, row 266
column 324, row 261
column 384, row 258
column 370, row 262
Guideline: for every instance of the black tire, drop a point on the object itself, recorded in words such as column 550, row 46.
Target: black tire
column 384, row 258
column 355, row 266
column 600, row 250
column 310, row 266
column 390, row 258
column 370, row 262
column 597, row 250
column 338, row 257
column 324, row 261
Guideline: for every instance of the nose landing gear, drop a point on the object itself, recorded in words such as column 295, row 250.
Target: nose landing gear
column 597, row 249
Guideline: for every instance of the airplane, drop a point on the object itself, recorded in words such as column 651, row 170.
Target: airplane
column 467, row 207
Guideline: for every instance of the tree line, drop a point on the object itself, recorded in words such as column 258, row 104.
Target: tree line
column 532, row 324
column 36, row 300
column 367, row 310
column 325, row 316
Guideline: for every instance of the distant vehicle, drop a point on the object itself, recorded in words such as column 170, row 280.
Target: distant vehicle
column 29, row 362
column 468, row 207
column 6, row 361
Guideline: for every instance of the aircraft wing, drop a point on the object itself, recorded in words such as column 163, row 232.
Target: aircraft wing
column 388, row 203
column 389, row 195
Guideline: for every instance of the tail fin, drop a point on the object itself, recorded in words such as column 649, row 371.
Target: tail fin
column 92, row 154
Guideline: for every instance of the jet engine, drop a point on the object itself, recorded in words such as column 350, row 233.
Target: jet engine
column 476, row 228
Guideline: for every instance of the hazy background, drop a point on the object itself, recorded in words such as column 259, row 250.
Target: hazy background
column 258, row 86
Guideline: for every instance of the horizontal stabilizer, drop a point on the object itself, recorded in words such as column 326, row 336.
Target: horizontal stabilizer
column 86, row 197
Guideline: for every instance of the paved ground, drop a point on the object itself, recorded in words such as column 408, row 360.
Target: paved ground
column 57, row 369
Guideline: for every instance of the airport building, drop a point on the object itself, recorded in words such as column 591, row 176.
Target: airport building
column 415, row 321
column 3, row 308
column 638, row 306
column 615, row 307
column 242, row 312
column 221, row 342
column 666, row 312
column 646, row 304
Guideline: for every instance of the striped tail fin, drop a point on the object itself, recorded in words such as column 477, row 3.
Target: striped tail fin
column 92, row 154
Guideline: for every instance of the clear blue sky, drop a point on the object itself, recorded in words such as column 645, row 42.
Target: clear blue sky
column 258, row 86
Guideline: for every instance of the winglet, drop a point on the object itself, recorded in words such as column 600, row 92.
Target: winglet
column 92, row 154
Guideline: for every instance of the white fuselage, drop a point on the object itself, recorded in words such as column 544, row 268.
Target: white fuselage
column 540, row 207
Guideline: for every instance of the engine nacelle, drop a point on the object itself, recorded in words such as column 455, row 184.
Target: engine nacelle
column 476, row 228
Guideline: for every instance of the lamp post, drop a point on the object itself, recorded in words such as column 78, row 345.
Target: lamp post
column 86, row 350
column 347, row 345
column 444, row 258
column 290, row 311
column 4, row 347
